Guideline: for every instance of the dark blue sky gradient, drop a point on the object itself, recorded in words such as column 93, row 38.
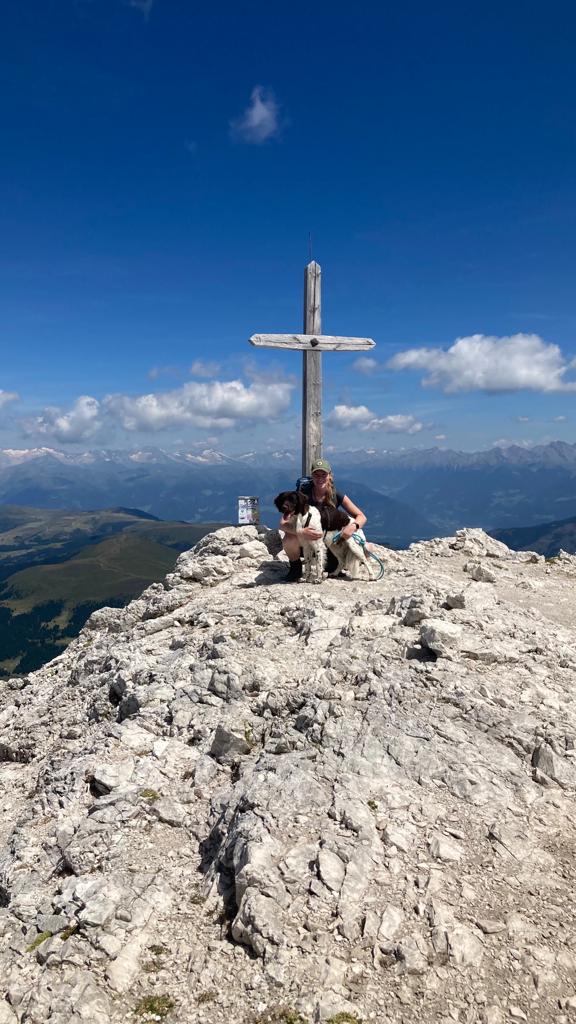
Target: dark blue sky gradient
column 431, row 154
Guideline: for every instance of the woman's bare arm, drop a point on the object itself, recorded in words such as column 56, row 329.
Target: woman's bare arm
column 359, row 519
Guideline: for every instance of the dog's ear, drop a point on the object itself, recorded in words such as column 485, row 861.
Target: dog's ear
column 279, row 500
column 339, row 519
column 302, row 503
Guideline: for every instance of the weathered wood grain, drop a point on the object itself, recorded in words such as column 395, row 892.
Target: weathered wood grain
column 312, row 369
column 305, row 342
column 312, row 344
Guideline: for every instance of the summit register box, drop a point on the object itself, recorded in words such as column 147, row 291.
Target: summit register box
column 248, row 510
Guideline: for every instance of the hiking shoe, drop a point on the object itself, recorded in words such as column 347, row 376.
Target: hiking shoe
column 294, row 573
column 332, row 563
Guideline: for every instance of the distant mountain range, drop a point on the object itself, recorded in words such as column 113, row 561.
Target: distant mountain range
column 193, row 487
column 407, row 495
column 57, row 566
column 546, row 538
column 494, row 489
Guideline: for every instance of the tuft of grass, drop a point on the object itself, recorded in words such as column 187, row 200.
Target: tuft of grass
column 157, row 1006
column 209, row 996
column 279, row 1015
column 38, row 941
column 149, row 794
column 152, row 966
column 344, row 1018
column 157, row 963
column 372, row 805
column 70, row 930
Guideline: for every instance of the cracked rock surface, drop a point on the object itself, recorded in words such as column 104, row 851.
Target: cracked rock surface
column 236, row 798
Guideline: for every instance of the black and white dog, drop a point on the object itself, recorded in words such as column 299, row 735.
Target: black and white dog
column 329, row 521
column 350, row 553
column 296, row 505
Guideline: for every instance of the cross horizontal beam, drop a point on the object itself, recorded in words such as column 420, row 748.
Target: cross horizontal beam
column 312, row 342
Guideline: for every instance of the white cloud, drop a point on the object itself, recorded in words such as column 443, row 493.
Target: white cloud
column 214, row 404
column 8, row 396
column 207, row 405
column 523, row 419
column 559, row 419
column 343, row 416
column 398, row 424
column 218, row 404
column 260, row 120
column 81, row 423
column 202, row 368
column 366, row 365
column 439, row 437
column 483, row 363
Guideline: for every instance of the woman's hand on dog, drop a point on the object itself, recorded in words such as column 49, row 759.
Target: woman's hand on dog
column 348, row 531
column 309, row 534
column 287, row 524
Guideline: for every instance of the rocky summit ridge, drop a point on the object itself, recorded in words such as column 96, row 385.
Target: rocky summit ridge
column 238, row 801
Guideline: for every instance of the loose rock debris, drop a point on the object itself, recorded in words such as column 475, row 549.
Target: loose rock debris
column 241, row 801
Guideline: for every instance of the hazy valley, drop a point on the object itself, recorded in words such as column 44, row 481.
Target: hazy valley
column 407, row 495
column 57, row 567
column 73, row 553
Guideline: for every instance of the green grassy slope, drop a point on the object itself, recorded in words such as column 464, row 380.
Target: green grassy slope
column 44, row 606
column 119, row 567
column 30, row 536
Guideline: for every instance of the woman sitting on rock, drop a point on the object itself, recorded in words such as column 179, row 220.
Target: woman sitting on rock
column 322, row 493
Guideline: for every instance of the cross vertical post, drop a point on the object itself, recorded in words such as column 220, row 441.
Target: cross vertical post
column 312, row 344
column 312, row 370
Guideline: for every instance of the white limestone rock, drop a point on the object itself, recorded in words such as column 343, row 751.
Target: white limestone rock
column 390, row 924
column 7, row 1015
column 445, row 849
column 374, row 821
column 123, row 970
column 465, row 946
column 253, row 550
column 479, row 572
column 477, row 542
column 331, row 870
column 441, row 636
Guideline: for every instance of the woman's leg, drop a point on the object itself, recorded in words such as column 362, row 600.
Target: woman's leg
column 291, row 546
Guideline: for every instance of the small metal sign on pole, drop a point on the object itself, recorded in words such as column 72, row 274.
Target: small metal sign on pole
column 312, row 344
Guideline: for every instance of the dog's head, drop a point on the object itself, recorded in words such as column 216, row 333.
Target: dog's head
column 291, row 503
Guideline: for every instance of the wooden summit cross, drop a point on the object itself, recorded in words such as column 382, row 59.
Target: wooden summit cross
column 312, row 344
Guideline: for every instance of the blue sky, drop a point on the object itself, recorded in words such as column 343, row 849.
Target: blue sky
column 162, row 171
